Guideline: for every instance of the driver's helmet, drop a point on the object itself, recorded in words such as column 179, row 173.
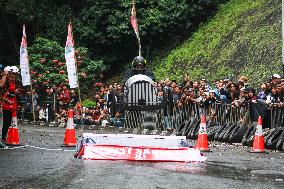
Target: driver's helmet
column 139, row 63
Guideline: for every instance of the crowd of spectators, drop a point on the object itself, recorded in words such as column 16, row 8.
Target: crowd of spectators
column 52, row 105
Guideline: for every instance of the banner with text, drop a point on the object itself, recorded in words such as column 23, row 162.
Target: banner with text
column 24, row 61
column 70, row 59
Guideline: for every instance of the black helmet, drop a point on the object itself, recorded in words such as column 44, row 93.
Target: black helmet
column 138, row 63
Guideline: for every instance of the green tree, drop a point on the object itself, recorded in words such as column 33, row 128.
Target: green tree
column 102, row 26
column 47, row 64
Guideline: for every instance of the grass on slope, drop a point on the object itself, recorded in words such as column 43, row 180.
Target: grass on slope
column 243, row 38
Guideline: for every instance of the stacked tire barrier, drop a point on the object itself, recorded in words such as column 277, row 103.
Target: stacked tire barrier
column 232, row 124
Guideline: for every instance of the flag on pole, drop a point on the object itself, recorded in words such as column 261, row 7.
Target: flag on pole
column 24, row 61
column 133, row 20
column 134, row 24
column 70, row 59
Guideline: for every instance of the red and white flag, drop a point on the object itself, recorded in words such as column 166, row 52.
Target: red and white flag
column 70, row 40
column 133, row 20
column 24, row 61
column 70, row 59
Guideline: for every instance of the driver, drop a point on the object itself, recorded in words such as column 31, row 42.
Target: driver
column 138, row 67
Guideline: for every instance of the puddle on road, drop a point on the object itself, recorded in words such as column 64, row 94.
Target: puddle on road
column 197, row 175
column 218, row 170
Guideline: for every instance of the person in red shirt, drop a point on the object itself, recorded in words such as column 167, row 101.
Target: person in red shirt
column 9, row 101
column 65, row 97
column 97, row 115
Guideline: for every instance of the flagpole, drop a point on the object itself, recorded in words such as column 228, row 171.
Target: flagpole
column 72, row 45
column 139, row 46
column 33, row 109
column 31, row 87
column 79, row 92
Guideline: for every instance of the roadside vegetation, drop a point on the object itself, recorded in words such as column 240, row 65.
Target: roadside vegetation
column 243, row 38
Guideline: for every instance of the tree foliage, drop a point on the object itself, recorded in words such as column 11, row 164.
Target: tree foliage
column 48, row 65
column 103, row 26
column 243, row 38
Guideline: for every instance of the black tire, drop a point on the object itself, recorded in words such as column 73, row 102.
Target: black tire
column 280, row 142
column 268, row 135
column 184, row 133
column 227, row 134
column 221, row 128
column 189, row 127
column 187, row 123
column 272, row 141
column 237, row 133
column 181, row 128
column 211, row 132
column 248, row 133
column 220, row 137
column 210, row 124
column 251, row 137
column 195, row 129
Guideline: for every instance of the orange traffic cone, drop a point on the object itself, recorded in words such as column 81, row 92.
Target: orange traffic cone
column 258, row 142
column 70, row 136
column 202, row 142
column 13, row 133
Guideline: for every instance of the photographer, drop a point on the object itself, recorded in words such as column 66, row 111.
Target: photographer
column 9, row 102
column 3, row 79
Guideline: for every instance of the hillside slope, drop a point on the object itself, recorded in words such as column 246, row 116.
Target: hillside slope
column 243, row 38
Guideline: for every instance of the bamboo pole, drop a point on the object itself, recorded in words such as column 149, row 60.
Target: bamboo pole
column 79, row 92
column 31, row 88
column 33, row 108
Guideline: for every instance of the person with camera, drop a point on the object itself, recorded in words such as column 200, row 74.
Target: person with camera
column 9, row 99
column 4, row 74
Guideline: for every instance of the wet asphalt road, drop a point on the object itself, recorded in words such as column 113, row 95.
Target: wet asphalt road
column 42, row 163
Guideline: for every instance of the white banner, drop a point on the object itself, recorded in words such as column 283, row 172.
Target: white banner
column 71, row 68
column 24, row 61
column 70, row 59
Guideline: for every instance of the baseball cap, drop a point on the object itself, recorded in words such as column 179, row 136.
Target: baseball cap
column 276, row 76
column 14, row 69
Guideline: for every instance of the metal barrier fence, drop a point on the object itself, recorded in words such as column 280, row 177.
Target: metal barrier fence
column 175, row 115
column 276, row 116
column 220, row 113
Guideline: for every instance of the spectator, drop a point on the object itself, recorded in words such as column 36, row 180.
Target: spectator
column 203, row 84
column 264, row 91
column 42, row 115
column 50, row 104
column 96, row 116
column 252, row 94
column 275, row 79
column 177, row 94
column 73, row 98
column 232, row 92
column 117, row 120
column 65, row 97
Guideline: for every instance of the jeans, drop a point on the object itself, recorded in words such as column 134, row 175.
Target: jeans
column 167, row 122
column 7, row 120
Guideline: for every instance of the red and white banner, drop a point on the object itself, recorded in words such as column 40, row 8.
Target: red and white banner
column 133, row 20
column 24, row 60
column 70, row 59
column 152, row 154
